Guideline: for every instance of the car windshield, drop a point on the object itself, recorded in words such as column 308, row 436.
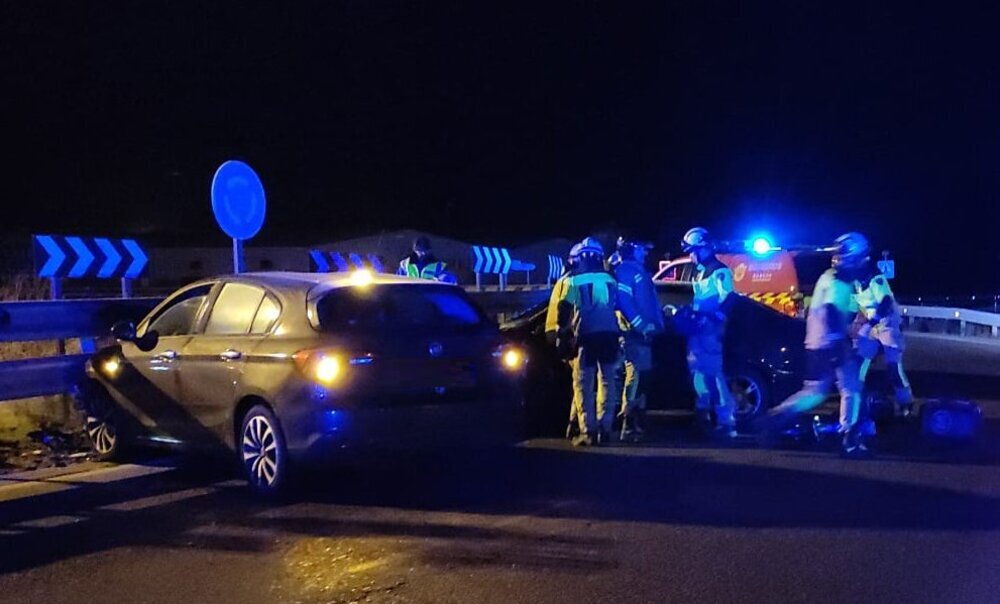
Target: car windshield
column 404, row 307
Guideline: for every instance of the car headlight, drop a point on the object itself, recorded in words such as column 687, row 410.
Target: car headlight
column 511, row 358
column 111, row 367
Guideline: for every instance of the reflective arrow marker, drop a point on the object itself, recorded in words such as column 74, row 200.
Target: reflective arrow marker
column 56, row 256
column 113, row 258
column 139, row 259
column 84, row 257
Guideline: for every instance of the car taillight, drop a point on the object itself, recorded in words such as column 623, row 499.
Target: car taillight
column 322, row 366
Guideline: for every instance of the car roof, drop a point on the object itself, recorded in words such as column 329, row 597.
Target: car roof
column 290, row 278
column 320, row 283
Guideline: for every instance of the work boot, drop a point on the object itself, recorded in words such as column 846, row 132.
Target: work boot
column 630, row 430
column 725, row 432
column 639, row 421
column 704, row 420
column 603, row 437
column 572, row 430
column 583, row 440
column 853, row 446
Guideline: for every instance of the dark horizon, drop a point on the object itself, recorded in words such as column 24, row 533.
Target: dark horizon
column 506, row 124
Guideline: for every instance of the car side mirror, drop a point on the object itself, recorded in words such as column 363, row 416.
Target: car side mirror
column 124, row 331
column 148, row 341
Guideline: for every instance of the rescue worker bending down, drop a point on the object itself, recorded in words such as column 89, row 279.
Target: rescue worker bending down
column 642, row 318
column 552, row 329
column 422, row 264
column 829, row 357
column 881, row 330
column 586, row 331
column 704, row 323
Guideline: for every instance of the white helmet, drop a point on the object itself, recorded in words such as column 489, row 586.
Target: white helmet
column 695, row 238
column 591, row 247
column 850, row 249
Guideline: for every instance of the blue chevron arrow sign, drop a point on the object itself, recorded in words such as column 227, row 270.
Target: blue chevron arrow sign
column 336, row 262
column 556, row 267
column 491, row 260
column 88, row 257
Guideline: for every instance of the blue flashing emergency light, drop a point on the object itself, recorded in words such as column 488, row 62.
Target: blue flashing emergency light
column 761, row 245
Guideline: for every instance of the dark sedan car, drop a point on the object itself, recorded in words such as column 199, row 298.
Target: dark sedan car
column 763, row 359
column 276, row 366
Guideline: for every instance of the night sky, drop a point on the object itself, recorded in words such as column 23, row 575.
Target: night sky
column 505, row 123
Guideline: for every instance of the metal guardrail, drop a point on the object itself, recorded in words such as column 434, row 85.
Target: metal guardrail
column 962, row 316
column 63, row 319
column 40, row 377
column 57, row 320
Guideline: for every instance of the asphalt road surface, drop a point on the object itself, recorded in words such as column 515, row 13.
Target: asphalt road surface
column 676, row 520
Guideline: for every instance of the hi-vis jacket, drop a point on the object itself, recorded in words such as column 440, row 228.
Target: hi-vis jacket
column 430, row 268
column 713, row 284
column 584, row 302
column 874, row 298
column 637, row 301
column 830, row 311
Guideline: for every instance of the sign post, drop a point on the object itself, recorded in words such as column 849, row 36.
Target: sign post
column 886, row 266
column 239, row 205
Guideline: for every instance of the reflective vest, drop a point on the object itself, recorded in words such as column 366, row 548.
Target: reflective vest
column 430, row 271
column 712, row 285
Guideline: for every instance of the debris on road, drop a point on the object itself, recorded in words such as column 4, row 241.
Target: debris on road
column 47, row 447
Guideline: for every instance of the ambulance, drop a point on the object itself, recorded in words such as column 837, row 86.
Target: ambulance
column 781, row 279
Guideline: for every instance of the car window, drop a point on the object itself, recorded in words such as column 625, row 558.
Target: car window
column 234, row 309
column 267, row 314
column 179, row 316
column 397, row 307
column 687, row 272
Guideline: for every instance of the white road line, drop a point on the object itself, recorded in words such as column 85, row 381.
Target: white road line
column 153, row 501
column 31, row 484
column 49, row 522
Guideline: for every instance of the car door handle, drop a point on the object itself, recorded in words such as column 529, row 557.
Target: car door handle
column 166, row 355
column 231, row 355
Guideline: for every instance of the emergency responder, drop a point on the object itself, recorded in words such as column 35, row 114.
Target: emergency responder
column 704, row 323
column 642, row 318
column 552, row 332
column 881, row 329
column 422, row 264
column 586, row 331
column 829, row 357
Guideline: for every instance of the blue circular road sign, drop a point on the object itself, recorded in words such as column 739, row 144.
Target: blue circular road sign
column 238, row 200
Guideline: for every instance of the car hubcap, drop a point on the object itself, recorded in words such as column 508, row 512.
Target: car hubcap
column 746, row 392
column 260, row 451
column 102, row 434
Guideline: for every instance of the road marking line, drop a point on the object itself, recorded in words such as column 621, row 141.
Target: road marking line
column 153, row 501
column 49, row 522
column 25, row 485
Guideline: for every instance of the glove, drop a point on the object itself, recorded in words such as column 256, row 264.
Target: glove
column 565, row 346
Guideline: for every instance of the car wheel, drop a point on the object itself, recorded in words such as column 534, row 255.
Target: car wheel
column 101, row 423
column 750, row 393
column 262, row 451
